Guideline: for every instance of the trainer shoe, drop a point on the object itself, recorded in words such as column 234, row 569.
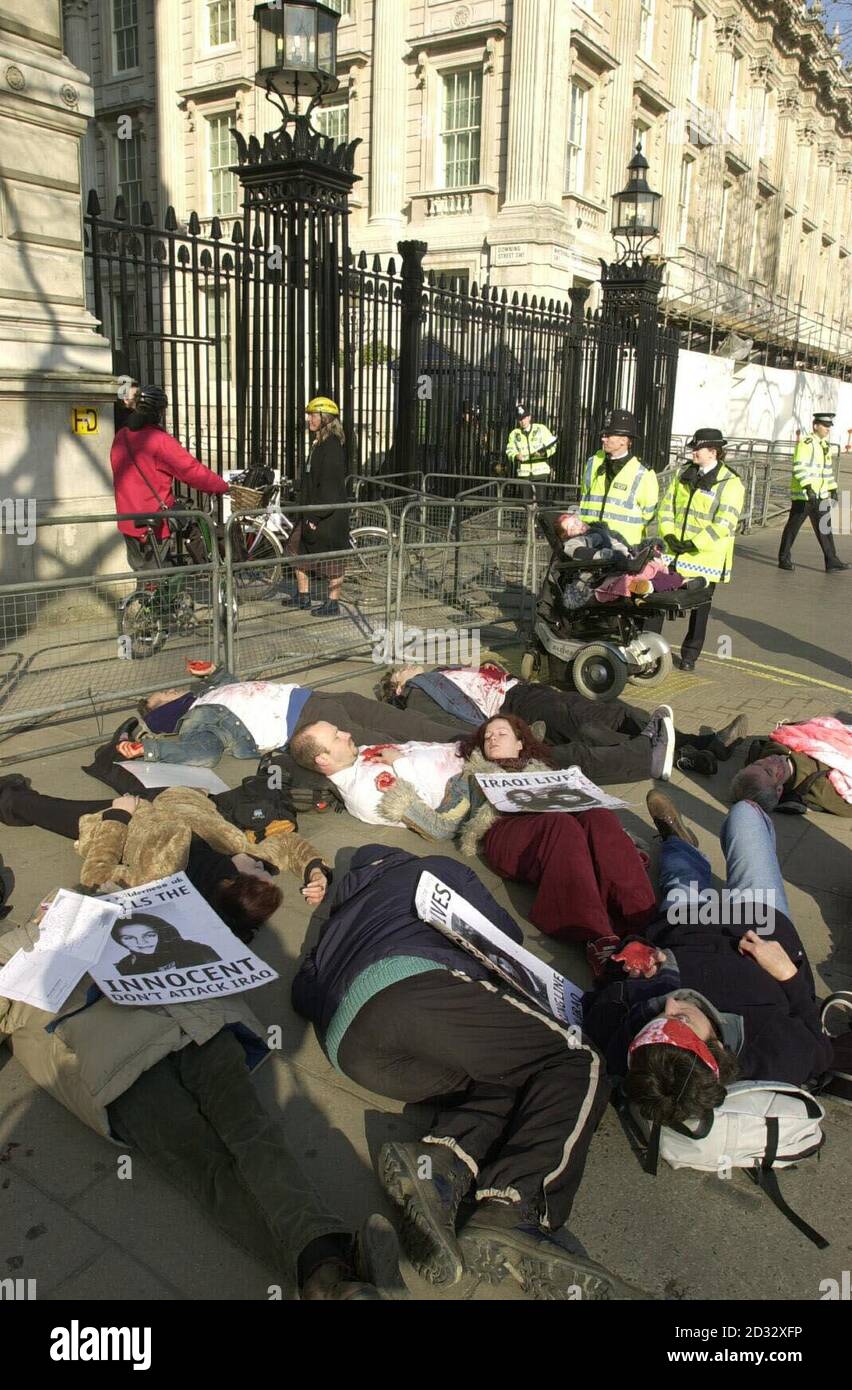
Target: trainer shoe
column 661, row 731
column 427, row 1205
column 538, row 729
column 329, row 609
column 502, row 1238
column 666, row 818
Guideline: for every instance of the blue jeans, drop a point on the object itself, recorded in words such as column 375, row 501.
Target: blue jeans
column 206, row 733
column 748, row 842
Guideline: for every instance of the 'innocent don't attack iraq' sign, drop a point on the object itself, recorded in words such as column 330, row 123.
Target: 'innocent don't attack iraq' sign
column 169, row 947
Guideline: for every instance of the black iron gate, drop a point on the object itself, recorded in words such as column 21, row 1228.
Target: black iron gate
column 428, row 377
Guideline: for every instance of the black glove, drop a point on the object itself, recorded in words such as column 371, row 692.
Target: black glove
column 811, row 495
column 676, row 547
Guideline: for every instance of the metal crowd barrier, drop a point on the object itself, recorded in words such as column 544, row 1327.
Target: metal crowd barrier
column 85, row 643
column 266, row 634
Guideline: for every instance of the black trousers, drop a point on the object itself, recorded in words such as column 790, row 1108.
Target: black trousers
column 693, row 643
column 818, row 513
column 25, row 806
column 513, row 1095
column 600, row 736
column 371, row 721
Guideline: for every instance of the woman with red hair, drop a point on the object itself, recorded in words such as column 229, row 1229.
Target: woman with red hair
column 590, row 879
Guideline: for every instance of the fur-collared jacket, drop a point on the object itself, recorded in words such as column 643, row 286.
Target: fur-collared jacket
column 465, row 811
column 154, row 841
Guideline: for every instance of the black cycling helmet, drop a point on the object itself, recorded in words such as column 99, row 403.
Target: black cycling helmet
column 150, row 407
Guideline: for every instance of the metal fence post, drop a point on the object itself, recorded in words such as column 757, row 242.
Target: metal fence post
column 406, row 452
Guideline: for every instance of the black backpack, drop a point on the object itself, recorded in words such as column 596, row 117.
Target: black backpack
column 254, row 805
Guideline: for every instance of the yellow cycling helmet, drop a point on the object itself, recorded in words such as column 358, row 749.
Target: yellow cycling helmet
column 321, row 405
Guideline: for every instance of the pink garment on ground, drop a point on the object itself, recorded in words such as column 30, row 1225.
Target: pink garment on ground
column 619, row 585
column 827, row 741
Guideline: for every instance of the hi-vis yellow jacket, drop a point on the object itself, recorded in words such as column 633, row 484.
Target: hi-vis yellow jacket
column 812, row 468
column 627, row 504
column 521, row 449
column 708, row 517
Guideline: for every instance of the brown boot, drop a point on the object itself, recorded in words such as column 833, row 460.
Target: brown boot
column 666, row 818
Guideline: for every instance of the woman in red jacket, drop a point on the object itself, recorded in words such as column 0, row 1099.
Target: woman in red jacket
column 145, row 460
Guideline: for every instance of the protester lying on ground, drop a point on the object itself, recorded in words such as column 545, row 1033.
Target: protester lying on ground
column 174, row 1083
column 362, row 775
column 408, row 1014
column 247, row 718
column 802, row 765
column 610, row 741
column 728, row 972
column 129, row 841
column 590, row 879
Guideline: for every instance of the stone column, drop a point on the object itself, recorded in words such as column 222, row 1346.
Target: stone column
column 79, row 49
column 788, row 107
column 388, row 115
column 760, row 72
column 535, row 151
column 171, row 122
column 728, row 31
column 670, row 185
column 52, row 359
column 532, row 220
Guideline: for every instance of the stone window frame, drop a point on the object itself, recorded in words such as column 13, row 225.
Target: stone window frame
column 580, row 81
column 647, row 30
column 432, row 67
column 685, row 225
column 211, row 111
column 115, row 72
column 203, row 47
column 106, row 133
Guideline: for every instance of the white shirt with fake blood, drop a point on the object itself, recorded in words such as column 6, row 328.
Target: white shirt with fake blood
column 260, row 705
column 427, row 766
column 486, row 690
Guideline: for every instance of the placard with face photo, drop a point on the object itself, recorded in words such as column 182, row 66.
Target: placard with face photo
column 170, row 947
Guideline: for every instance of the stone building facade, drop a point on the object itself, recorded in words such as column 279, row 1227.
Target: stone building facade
column 497, row 131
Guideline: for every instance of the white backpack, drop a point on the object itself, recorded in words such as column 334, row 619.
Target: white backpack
column 760, row 1126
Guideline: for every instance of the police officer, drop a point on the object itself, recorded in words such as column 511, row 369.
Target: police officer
column 617, row 489
column 812, row 488
column 697, row 520
column 530, row 448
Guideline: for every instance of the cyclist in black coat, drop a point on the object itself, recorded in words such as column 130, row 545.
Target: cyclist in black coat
column 323, row 484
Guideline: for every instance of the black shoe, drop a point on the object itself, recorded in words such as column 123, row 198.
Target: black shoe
column 8, row 784
column 724, row 741
column 786, row 565
column 337, row 1280
column 687, row 664
column 697, row 760
column 501, row 1238
column 666, row 818
column 835, row 565
column 428, row 1205
column 329, row 609
column 296, row 601
column 376, row 1258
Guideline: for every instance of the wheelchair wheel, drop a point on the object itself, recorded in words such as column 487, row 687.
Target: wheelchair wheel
column 661, row 666
column 599, row 671
column 531, row 666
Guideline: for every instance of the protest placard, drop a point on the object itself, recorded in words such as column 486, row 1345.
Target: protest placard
column 169, row 947
column 458, row 919
column 565, row 790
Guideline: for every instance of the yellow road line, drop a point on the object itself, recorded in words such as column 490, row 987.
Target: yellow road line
column 798, row 677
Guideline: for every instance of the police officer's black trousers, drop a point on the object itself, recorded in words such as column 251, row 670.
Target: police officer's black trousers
column 819, row 514
column 693, row 642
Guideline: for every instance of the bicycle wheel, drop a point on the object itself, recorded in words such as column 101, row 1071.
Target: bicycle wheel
column 366, row 538
column 141, row 628
column 256, row 542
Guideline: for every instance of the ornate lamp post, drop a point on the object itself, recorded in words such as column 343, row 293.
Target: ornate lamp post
column 293, row 324
column 630, row 288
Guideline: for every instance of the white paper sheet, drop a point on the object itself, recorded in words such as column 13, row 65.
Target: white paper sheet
column 458, row 919
column 175, row 775
column 72, row 936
